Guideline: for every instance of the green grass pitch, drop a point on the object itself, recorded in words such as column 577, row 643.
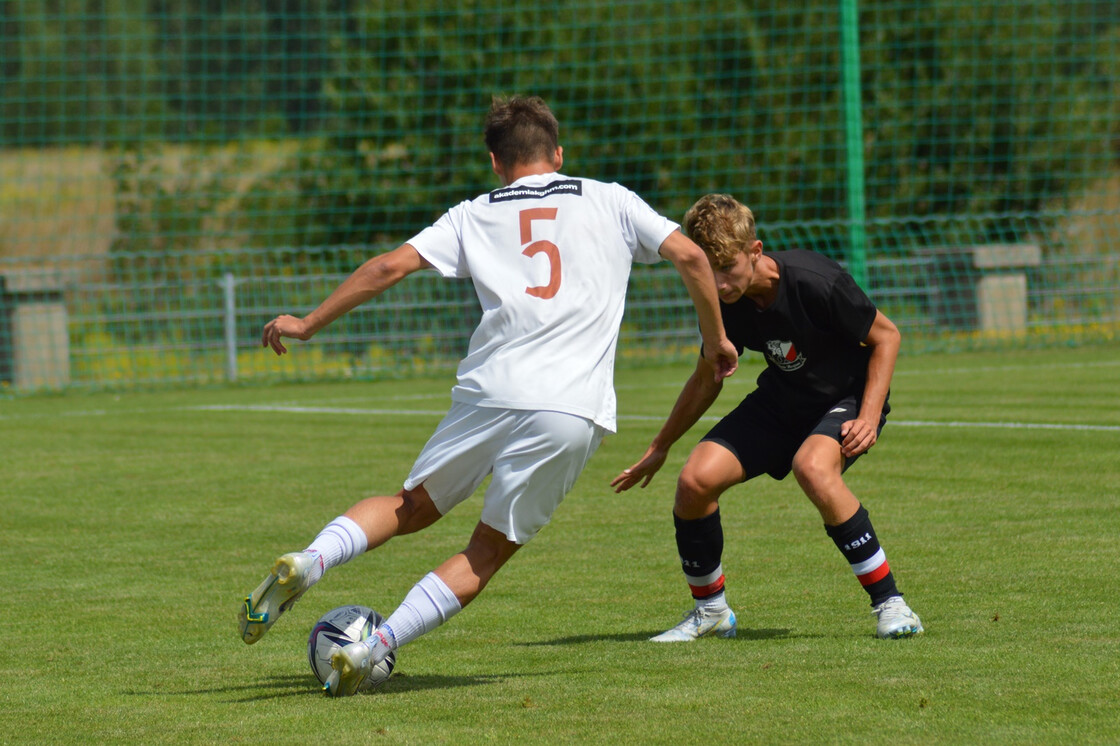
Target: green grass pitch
column 133, row 524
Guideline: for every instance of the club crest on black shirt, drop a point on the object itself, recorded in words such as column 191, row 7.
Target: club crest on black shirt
column 784, row 354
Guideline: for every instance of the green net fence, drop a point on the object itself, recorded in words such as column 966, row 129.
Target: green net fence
column 173, row 173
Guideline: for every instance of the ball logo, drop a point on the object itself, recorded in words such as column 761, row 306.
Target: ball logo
column 784, row 355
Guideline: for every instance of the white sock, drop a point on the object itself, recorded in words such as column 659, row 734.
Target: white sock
column 340, row 541
column 429, row 604
column 712, row 604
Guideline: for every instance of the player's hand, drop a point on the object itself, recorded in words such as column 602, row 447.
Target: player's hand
column 857, row 437
column 723, row 357
column 642, row 471
column 283, row 326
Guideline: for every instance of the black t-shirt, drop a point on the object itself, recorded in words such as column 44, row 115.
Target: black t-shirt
column 811, row 334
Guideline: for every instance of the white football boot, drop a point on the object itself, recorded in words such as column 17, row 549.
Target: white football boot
column 697, row 624
column 896, row 619
column 353, row 663
column 289, row 579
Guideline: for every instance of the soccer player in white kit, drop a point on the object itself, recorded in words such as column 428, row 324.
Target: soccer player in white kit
column 549, row 256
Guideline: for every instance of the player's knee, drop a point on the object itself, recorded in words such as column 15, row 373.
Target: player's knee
column 814, row 470
column 416, row 511
column 487, row 550
column 695, row 491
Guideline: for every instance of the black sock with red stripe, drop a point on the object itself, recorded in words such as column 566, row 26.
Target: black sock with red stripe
column 700, row 545
column 856, row 540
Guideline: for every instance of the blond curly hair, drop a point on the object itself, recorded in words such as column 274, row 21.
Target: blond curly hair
column 721, row 225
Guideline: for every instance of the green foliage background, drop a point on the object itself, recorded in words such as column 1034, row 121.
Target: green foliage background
column 168, row 143
column 985, row 110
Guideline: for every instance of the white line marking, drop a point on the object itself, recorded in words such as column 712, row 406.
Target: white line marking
column 292, row 409
column 746, row 376
column 1010, row 425
column 375, row 412
column 999, row 368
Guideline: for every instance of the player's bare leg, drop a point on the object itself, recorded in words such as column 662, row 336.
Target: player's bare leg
column 382, row 518
column 376, row 519
column 468, row 572
column 818, row 466
column 433, row 601
column 711, row 469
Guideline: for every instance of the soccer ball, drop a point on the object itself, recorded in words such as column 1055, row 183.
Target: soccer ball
column 337, row 629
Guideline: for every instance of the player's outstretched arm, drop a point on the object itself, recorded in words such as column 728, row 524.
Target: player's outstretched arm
column 692, row 264
column 884, row 341
column 368, row 281
column 699, row 392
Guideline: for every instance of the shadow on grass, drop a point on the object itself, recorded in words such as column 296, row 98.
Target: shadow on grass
column 404, row 682
column 277, row 687
column 743, row 634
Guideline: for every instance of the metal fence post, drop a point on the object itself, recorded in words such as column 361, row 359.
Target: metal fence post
column 853, row 131
column 229, row 294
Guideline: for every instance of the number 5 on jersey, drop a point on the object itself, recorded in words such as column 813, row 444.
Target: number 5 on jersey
column 547, row 248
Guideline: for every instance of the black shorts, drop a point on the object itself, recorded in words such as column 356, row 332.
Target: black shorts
column 765, row 437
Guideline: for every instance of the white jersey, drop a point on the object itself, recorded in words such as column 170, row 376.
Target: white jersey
column 550, row 259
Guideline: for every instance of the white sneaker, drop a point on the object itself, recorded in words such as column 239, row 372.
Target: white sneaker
column 697, row 624
column 896, row 619
column 289, row 579
column 353, row 664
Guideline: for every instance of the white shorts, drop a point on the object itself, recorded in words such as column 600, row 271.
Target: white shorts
column 535, row 457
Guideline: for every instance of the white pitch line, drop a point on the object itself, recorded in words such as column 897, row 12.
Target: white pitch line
column 295, row 409
column 1010, row 425
column 964, row 370
column 747, row 375
column 367, row 412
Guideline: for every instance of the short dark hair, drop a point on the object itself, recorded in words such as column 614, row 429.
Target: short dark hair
column 521, row 129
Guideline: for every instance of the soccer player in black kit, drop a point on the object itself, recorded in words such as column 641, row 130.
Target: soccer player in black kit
column 820, row 403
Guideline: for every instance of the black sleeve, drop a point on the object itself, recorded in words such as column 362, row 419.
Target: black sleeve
column 852, row 311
